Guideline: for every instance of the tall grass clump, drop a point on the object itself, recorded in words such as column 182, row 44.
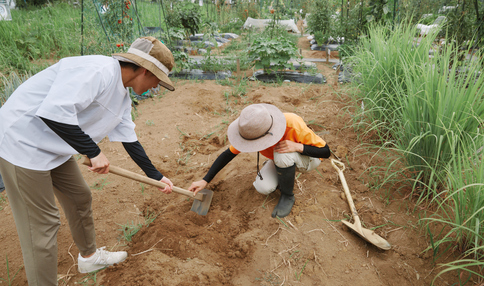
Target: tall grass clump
column 50, row 32
column 416, row 103
column 379, row 62
column 9, row 84
column 460, row 211
column 442, row 106
column 428, row 113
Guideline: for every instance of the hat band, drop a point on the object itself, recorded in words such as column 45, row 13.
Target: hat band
column 265, row 133
column 150, row 58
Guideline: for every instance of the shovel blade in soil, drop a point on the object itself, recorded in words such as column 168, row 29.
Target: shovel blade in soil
column 201, row 207
column 369, row 235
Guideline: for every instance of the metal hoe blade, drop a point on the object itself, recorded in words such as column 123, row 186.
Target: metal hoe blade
column 369, row 235
column 201, row 207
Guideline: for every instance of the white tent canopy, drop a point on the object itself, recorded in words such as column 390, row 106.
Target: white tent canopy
column 262, row 23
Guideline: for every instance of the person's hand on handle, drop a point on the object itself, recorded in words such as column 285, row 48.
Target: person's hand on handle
column 169, row 185
column 288, row 146
column 99, row 164
column 197, row 186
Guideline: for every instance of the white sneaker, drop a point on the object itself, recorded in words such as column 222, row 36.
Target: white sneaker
column 101, row 259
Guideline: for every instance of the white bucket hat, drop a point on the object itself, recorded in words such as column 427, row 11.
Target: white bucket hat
column 153, row 55
column 258, row 127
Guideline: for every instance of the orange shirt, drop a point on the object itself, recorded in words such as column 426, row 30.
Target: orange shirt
column 296, row 131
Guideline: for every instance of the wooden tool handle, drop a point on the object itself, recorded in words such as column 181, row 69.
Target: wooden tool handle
column 143, row 179
column 347, row 190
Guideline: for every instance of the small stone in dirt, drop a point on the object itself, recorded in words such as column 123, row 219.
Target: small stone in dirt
column 341, row 151
column 219, row 221
column 347, row 272
column 299, row 220
column 343, row 196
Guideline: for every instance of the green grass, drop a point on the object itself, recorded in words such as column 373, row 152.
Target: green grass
column 130, row 229
column 424, row 115
column 9, row 84
column 10, row 278
column 100, row 184
column 3, row 200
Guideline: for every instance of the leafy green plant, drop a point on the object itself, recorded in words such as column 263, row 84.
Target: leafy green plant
column 379, row 11
column 321, row 37
column 190, row 18
column 272, row 54
column 319, row 20
column 119, row 19
column 182, row 61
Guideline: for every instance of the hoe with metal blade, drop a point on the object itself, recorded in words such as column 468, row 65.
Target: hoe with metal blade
column 368, row 235
column 200, row 205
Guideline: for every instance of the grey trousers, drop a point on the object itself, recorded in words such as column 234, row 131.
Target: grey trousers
column 31, row 195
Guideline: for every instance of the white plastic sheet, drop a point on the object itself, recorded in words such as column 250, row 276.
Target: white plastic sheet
column 262, row 23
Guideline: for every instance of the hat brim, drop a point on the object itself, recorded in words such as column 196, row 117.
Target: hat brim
column 276, row 132
column 164, row 80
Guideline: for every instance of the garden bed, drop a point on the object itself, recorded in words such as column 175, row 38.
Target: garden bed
column 278, row 76
column 200, row 74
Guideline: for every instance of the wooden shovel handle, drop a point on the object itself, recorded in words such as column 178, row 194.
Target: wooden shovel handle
column 143, row 179
column 335, row 164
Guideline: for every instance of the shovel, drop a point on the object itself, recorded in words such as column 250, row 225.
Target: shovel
column 368, row 235
column 200, row 205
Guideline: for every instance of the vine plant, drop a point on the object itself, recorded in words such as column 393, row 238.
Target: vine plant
column 272, row 54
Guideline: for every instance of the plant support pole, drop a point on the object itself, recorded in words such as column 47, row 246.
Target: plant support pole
column 135, row 7
column 82, row 27
column 101, row 21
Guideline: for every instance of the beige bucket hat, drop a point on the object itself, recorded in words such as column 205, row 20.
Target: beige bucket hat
column 258, row 127
column 153, row 55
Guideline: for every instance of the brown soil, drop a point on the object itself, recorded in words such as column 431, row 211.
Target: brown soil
column 237, row 242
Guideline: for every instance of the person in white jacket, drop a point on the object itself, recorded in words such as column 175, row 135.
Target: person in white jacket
column 64, row 110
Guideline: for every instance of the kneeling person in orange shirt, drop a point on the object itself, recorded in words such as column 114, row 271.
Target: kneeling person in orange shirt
column 284, row 138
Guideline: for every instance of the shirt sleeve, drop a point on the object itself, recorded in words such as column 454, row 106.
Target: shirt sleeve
column 316, row 152
column 138, row 154
column 72, row 91
column 222, row 160
column 75, row 137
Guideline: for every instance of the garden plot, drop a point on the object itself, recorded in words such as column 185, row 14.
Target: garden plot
column 237, row 242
